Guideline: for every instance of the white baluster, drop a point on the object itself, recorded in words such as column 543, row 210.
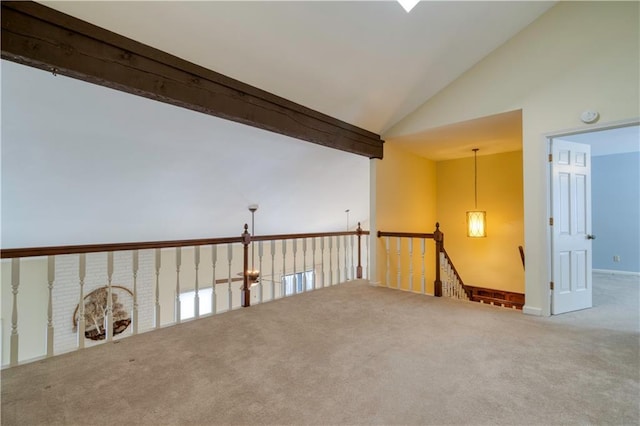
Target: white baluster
column 339, row 274
column 196, row 299
column 410, row 264
column 331, row 261
column 134, row 313
column 82, row 273
column 399, row 278
column 313, row 263
column 324, row 278
column 453, row 280
column 446, row 274
column 453, row 287
column 214, row 260
column 108, row 318
column 295, row 275
column 346, row 256
column 157, row 307
column 229, row 291
column 284, row 267
column 15, row 283
column 51, row 274
column 456, row 284
column 177, row 301
column 351, row 247
column 448, row 290
column 388, row 251
column 260, row 287
column 273, row 269
column 304, row 264
column 422, row 279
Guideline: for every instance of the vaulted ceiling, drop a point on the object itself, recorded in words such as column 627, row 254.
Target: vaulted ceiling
column 86, row 164
column 368, row 63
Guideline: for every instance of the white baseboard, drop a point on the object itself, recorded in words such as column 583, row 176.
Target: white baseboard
column 375, row 283
column 530, row 310
column 614, row 272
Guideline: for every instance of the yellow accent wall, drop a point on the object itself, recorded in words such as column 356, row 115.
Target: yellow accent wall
column 577, row 56
column 494, row 261
column 405, row 202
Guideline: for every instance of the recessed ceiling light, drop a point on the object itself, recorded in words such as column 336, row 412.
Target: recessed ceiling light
column 408, row 4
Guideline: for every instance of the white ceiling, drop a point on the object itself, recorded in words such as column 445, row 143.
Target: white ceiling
column 491, row 135
column 85, row 164
column 368, row 63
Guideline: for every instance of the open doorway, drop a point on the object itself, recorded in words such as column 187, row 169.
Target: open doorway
column 606, row 260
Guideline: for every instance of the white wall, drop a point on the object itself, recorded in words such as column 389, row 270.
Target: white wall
column 85, row 164
column 577, row 56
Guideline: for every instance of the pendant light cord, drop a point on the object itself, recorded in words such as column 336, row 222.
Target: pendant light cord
column 475, row 175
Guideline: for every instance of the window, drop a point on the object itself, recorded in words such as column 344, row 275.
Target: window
column 187, row 303
column 298, row 280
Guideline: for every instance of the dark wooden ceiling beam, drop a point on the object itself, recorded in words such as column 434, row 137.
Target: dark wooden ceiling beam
column 41, row 37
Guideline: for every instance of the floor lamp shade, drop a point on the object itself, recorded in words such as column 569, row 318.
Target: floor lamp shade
column 476, row 224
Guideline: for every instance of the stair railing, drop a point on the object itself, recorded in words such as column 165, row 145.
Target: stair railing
column 448, row 281
column 453, row 286
column 84, row 295
column 436, row 236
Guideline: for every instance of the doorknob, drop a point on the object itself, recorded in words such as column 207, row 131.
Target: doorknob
column 591, row 237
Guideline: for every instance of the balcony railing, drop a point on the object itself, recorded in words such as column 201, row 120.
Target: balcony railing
column 70, row 297
column 405, row 266
column 402, row 270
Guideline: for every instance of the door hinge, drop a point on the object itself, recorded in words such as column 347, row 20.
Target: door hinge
column 550, row 221
column 551, row 284
column 551, row 158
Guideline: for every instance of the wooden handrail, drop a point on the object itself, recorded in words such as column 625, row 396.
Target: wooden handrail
column 476, row 294
column 309, row 235
column 405, row 234
column 97, row 248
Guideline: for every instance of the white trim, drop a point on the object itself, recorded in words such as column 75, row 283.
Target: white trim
column 593, row 128
column 614, row 272
column 530, row 310
column 373, row 222
column 547, row 137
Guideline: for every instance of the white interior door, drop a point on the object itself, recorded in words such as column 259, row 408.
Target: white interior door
column 571, row 229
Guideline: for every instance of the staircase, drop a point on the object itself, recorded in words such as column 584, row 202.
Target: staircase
column 452, row 285
column 448, row 282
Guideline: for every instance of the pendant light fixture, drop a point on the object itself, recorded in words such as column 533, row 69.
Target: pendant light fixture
column 476, row 219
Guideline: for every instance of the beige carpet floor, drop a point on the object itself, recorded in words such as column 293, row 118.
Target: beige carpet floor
column 352, row 354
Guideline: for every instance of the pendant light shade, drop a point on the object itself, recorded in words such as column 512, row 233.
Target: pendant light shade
column 476, row 219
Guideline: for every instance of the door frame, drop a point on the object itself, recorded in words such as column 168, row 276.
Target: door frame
column 545, row 288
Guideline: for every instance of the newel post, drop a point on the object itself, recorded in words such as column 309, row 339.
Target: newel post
column 246, row 291
column 438, row 237
column 359, row 268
